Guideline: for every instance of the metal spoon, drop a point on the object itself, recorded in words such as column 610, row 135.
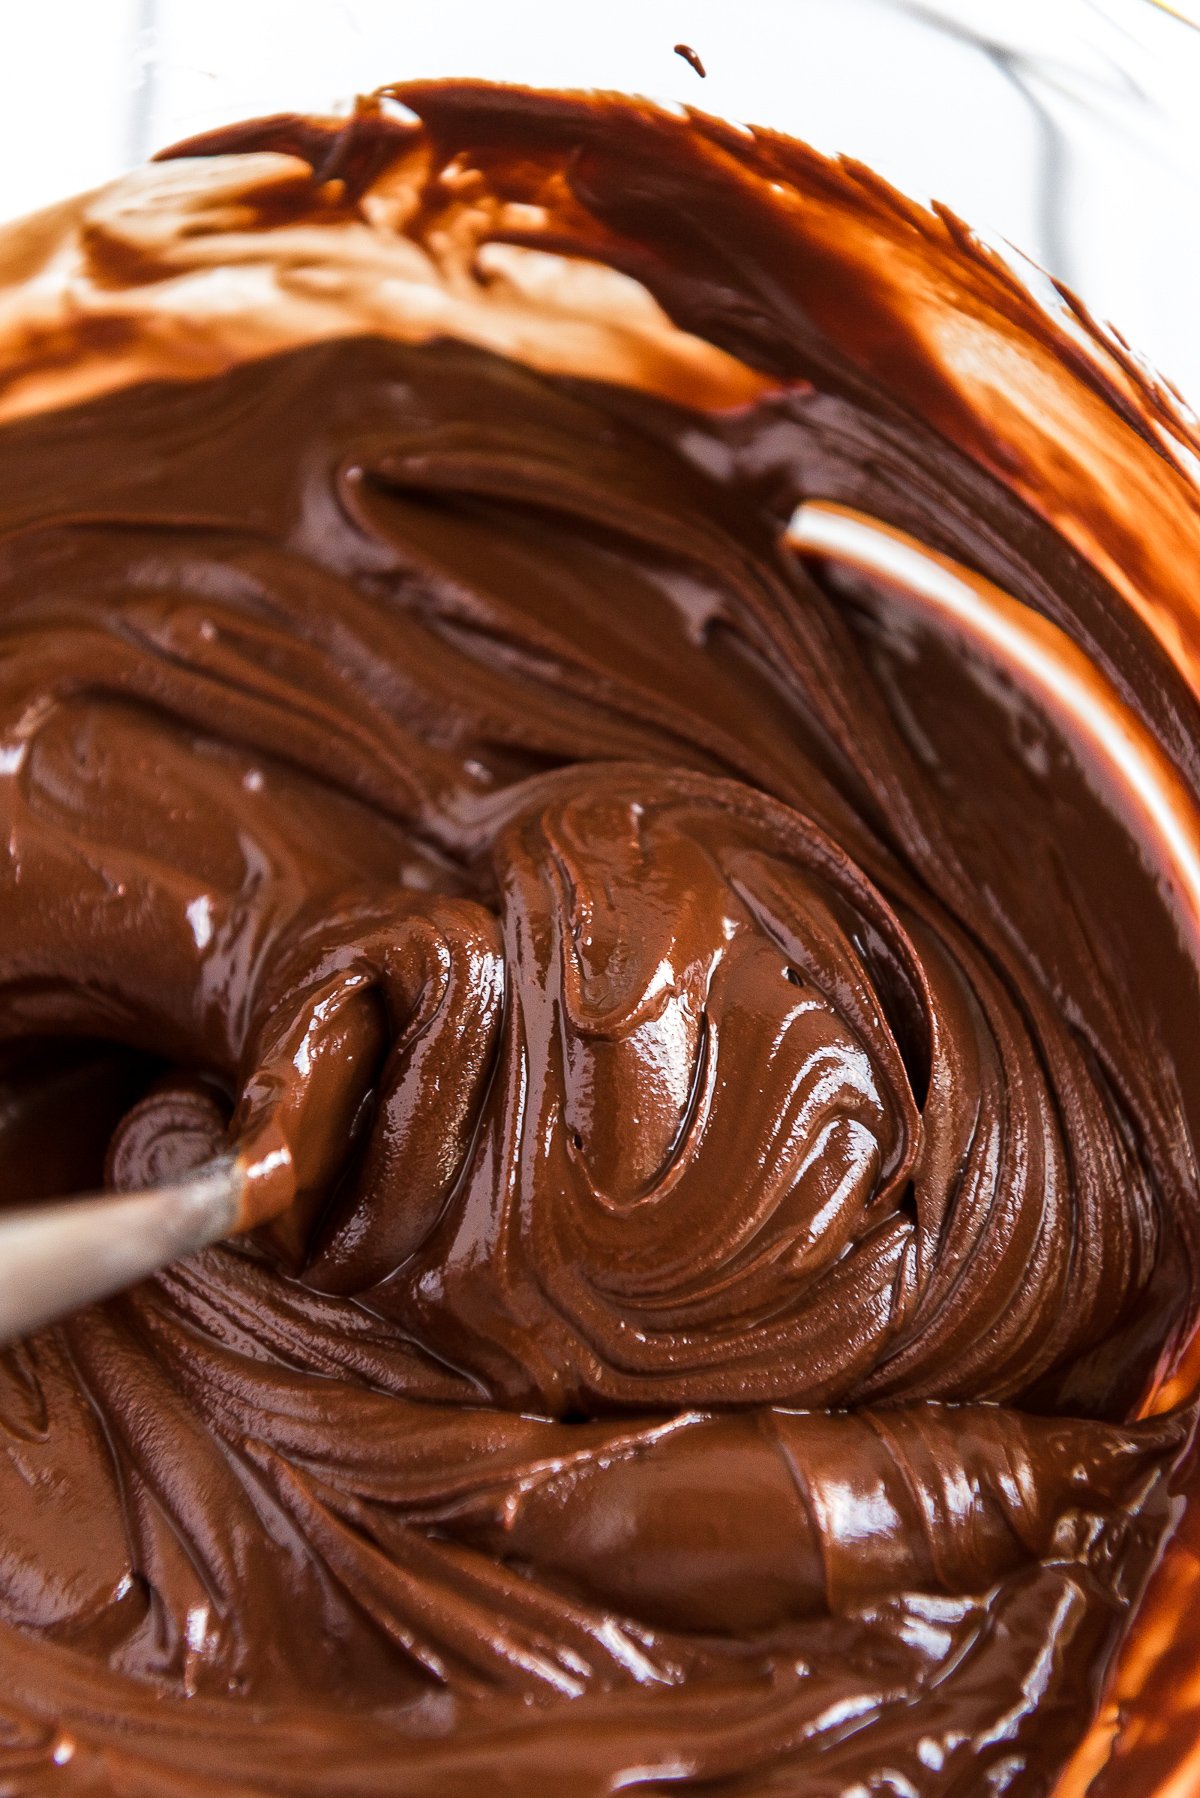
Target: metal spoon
column 58, row 1257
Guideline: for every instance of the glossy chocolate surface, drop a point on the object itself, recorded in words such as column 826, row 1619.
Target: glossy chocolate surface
column 716, row 1033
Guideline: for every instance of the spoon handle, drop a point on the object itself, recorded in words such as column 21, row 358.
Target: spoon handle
column 57, row 1257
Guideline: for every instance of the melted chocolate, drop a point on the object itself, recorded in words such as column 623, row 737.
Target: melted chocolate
column 720, row 1037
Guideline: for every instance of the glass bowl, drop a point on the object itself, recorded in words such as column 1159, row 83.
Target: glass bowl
column 1067, row 127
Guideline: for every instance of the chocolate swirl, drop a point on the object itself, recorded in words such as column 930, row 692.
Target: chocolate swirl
column 731, row 1198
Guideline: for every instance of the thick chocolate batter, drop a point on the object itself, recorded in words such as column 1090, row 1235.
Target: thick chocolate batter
column 715, row 1026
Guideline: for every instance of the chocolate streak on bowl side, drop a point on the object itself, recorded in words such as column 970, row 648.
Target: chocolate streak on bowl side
column 723, row 1310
